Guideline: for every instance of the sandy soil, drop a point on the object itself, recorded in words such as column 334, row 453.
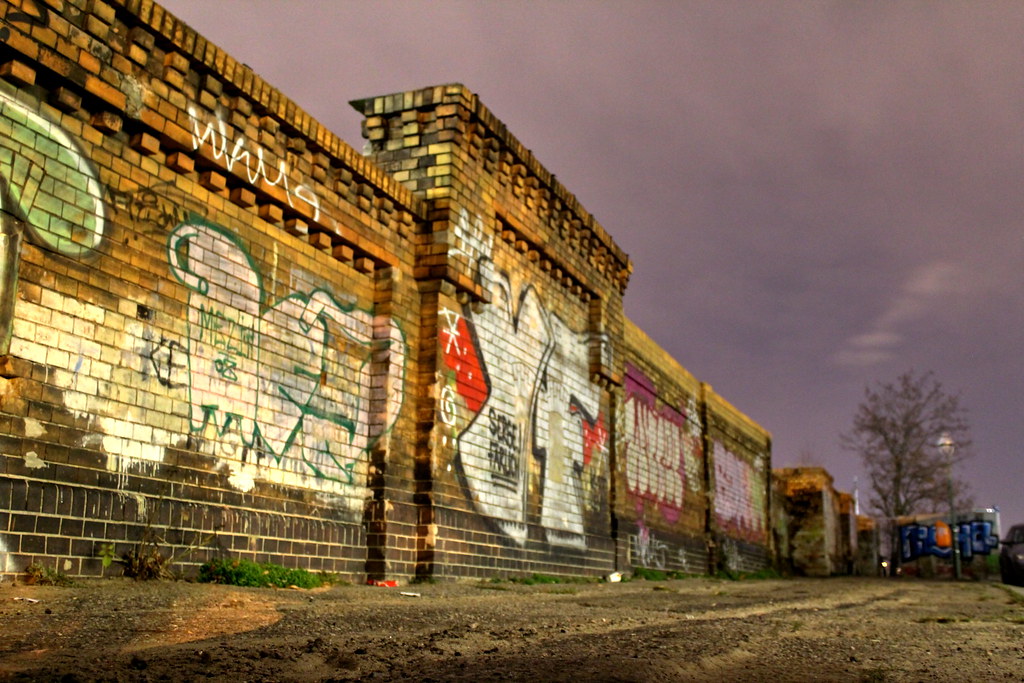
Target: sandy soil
column 697, row 629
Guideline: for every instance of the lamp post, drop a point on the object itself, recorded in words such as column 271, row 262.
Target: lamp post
column 947, row 447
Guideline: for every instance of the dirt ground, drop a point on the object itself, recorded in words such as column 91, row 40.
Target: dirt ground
column 694, row 629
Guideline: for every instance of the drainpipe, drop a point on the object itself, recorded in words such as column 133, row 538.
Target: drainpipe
column 10, row 251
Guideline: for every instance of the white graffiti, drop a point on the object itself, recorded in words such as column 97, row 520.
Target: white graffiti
column 661, row 447
column 235, row 152
column 540, row 408
column 739, row 495
column 471, row 243
column 49, row 180
column 648, row 551
column 293, row 386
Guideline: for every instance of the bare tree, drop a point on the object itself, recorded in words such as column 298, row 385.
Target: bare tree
column 896, row 430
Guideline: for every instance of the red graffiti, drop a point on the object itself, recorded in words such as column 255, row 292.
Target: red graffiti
column 460, row 354
column 595, row 434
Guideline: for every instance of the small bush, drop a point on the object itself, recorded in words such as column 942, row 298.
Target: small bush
column 760, row 575
column 649, row 574
column 40, row 575
column 534, row 579
column 256, row 575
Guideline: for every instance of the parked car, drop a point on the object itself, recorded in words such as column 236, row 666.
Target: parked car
column 1011, row 557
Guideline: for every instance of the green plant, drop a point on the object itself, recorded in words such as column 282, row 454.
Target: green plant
column 145, row 560
column 241, row 572
column 534, row 579
column 107, row 554
column 1015, row 597
column 759, row 575
column 649, row 574
column 41, row 575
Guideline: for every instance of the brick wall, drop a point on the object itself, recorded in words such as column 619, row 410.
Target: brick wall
column 661, row 492
column 739, row 484
column 224, row 330
column 520, row 326
column 214, row 311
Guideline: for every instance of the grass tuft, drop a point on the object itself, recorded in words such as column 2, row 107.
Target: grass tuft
column 256, row 575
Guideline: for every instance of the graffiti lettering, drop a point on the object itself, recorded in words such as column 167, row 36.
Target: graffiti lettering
column 156, row 208
column 595, row 434
column 306, row 384
column 975, row 538
column 647, row 550
column 225, row 334
column 739, row 496
column 660, row 447
column 256, row 171
column 504, row 450
column 472, row 243
column 532, row 374
column 459, row 353
column 49, row 184
column 161, row 357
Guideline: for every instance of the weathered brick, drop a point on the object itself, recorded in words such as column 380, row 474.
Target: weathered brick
column 368, row 310
column 18, row 73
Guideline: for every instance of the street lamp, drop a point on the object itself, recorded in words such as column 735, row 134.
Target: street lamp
column 947, row 447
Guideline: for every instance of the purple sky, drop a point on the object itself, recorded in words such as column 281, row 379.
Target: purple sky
column 816, row 196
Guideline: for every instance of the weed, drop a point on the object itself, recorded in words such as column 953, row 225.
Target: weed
column 41, row 575
column 543, row 579
column 1015, row 597
column 144, row 560
column 534, row 579
column 107, row 554
column 253, row 574
column 649, row 574
column 759, row 575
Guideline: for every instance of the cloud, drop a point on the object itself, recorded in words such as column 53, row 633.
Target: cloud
column 926, row 290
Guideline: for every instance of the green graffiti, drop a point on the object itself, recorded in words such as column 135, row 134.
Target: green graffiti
column 53, row 187
column 307, row 377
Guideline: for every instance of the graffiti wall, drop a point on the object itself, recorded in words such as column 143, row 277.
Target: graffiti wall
column 739, row 463
column 50, row 187
column 282, row 386
column 659, row 437
column 519, row 414
column 221, row 323
column 191, row 342
column 936, row 539
column 740, row 496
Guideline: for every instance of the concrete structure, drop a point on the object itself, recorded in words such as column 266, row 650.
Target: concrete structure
column 811, row 504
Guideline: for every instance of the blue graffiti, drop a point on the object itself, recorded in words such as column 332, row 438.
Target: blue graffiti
column 975, row 538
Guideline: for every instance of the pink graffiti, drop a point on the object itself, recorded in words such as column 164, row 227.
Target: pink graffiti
column 654, row 446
